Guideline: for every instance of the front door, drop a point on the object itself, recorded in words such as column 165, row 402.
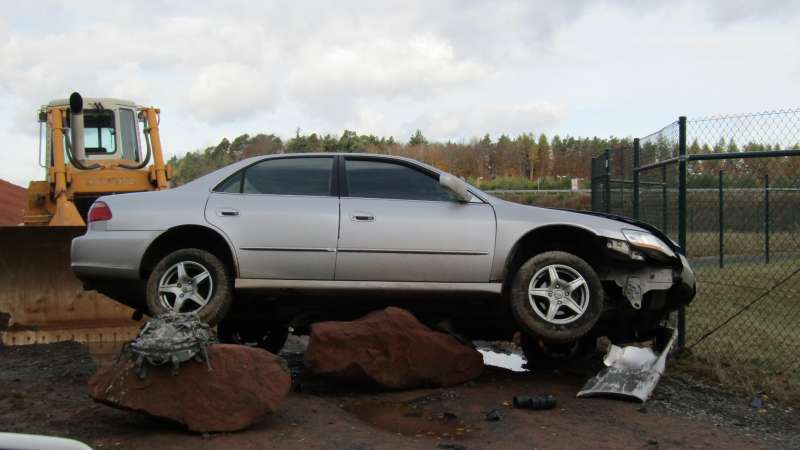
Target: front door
column 282, row 216
column 398, row 224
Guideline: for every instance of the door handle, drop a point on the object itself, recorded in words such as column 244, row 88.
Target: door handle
column 362, row 217
column 227, row 212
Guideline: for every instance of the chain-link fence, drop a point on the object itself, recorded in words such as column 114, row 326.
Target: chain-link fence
column 728, row 190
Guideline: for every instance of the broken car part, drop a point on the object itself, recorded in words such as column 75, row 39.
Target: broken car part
column 631, row 372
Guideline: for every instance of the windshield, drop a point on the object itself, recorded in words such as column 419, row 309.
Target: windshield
column 99, row 134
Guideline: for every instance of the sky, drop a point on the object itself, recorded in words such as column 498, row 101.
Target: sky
column 453, row 69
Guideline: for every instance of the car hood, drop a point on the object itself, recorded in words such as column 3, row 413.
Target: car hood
column 606, row 225
column 638, row 223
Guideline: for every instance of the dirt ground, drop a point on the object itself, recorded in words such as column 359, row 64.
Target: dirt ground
column 43, row 390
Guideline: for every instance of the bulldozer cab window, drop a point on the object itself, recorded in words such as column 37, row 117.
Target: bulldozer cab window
column 129, row 132
column 99, row 132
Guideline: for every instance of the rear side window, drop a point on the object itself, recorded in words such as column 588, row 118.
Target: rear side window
column 289, row 176
column 383, row 179
column 232, row 185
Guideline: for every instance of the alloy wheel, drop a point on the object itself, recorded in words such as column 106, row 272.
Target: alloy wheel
column 558, row 294
column 186, row 287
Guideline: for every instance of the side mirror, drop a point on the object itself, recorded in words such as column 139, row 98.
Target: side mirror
column 455, row 186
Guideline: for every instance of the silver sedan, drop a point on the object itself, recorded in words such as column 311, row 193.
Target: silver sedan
column 277, row 242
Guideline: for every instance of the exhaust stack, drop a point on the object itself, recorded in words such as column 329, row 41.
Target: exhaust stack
column 76, row 126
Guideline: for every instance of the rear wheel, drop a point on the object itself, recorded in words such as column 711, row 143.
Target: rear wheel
column 190, row 281
column 556, row 297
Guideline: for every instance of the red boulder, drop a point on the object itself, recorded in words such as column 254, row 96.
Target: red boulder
column 392, row 348
column 243, row 385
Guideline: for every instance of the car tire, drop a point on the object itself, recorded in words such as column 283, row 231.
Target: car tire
column 543, row 355
column 193, row 280
column 271, row 338
column 556, row 297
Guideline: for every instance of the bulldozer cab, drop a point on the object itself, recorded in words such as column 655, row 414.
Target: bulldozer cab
column 111, row 133
column 92, row 147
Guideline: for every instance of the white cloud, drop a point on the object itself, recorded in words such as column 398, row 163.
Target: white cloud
column 390, row 67
column 468, row 122
column 453, row 68
column 228, row 91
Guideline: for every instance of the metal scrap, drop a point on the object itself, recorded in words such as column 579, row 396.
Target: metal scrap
column 631, row 372
column 170, row 338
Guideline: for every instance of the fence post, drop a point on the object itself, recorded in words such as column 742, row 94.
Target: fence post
column 636, row 178
column 664, row 221
column 682, row 216
column 621, row 211
column 766, row 218
column 607, row 192
column 721, row 222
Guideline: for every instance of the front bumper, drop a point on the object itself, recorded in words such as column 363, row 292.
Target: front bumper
column 109, row 254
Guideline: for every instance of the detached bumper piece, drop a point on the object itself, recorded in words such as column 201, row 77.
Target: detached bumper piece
column 631, row 372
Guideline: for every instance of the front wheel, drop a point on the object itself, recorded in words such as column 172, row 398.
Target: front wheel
column 190, row 281
column 556, row 297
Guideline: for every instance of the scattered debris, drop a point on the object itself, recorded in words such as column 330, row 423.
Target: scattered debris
column 631, row 372
column 446, row 415
column 506, row 360
column 390, row 348
column 686, row 413
column 759, row 401
column 493, row 416
column 452, row 446
column 535, row 402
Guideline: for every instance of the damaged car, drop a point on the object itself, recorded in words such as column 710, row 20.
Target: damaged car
column 274, row 243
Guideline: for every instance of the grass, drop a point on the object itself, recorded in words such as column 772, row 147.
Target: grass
column 757, row 350
column 741, row 243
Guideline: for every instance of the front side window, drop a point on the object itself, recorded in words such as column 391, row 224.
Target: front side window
column 289, row 176
column 128, row 129
column 99, row 136
column 384, row 179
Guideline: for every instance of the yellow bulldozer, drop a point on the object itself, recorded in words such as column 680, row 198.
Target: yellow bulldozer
column 88, row 148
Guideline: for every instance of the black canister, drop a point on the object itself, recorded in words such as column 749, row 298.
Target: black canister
column 534, row 402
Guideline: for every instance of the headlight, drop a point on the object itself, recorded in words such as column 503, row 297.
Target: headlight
column 647, row 241
column 618, row 245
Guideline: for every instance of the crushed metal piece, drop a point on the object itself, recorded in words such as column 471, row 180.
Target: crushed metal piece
column 631, row 372
column 170, row 338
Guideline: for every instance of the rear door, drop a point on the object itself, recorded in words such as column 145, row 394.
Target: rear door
column 282, row 215
column 398, row 224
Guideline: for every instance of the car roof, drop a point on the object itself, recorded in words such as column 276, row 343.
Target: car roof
column 331, row 154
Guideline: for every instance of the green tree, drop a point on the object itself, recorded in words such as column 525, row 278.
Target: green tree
column 417, row 138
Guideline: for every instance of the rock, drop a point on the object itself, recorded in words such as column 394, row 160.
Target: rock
column 243, row 385
column 493, row 416
column 392, row 348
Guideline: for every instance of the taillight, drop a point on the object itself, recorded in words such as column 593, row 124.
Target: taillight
column 99, row 211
